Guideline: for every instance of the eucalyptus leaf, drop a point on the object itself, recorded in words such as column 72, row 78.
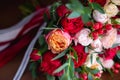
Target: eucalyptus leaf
column 90, row 77
column 115, row 45
column 74, row 14
column 110, row 72
column 86, row 49
column 97, row 79
column 60, row 55
column 71, row 68
column 61, row 68
column 95, row 71
column 49, row 77
column 118, row 54
column 75, row 54
column 97, row 6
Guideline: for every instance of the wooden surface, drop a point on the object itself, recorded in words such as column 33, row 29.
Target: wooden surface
column 9, row 15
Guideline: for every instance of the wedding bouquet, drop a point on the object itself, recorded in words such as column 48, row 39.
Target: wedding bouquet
column 81, row 40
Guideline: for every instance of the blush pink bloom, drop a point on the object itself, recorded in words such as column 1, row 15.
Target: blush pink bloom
column 97, row 45
column 100, row 17
column 109, row 38
column 107, row 63
column 58, row 40
column 83, row 37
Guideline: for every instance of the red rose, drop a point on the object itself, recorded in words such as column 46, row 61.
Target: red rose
column 50, row 66
column 110, row 53
column 35, row 55
column 81, row 55
column 101, row 2
column 62, row 10
column 72, row 25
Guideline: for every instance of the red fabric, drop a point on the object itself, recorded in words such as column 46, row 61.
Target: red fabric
column 21, row 40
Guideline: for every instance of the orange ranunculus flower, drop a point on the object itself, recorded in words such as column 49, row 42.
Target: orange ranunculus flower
column 58, row 40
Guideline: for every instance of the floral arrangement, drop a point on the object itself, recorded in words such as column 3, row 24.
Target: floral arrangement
column 80, row 41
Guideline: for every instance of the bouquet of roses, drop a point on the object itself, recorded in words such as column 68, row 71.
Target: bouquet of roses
column 80, row 41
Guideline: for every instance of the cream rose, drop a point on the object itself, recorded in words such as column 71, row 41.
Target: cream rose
column 100, row 17
column 58, row 40
column 109, row 38
column 83, row 38
column 111, row 10
column 97, row 45
column 117, row 2
column 94, row 64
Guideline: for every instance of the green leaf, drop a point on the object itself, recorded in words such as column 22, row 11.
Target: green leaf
column 60, row 55
column 90, row 77
column 41, row 40
column 118, row 54
column 75, row 53
column 97, row 6
column 61, row 68
column 95, row 71
column 71, row 68
column 97, row 79
column 110, row 72
column 85, row 18
column 115, row 45
column 91, row 58
column 32, row 68
column 86, row 49
column 74, row 14
column 49, row 77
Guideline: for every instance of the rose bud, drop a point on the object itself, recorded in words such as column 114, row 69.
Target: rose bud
column 117, row 65
column 35, row 55
column 95, row 35
column 111, row 10
column 108, row 26
column 97, row 26
column 117, row 2
column 58, row 40
column 100, row 17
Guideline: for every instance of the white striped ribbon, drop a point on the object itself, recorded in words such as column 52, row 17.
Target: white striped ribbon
column 26, row 57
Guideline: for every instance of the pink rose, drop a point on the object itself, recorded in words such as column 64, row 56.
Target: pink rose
column 83, row 37
column 100, row 17
column 97, row 45
column 58, row 40
column 109, row 38
column 107, row 63
column 72, row 25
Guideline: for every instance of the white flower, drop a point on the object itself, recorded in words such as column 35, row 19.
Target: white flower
column 118, row 39
column 117, row 2
column 100, row 17
column 107, row 63
column 109, row 38
column 93, row 64
column 97, row 45
column 111, row 10
column 83, row 38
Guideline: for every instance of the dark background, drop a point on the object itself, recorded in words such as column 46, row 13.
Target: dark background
column 10, row 15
